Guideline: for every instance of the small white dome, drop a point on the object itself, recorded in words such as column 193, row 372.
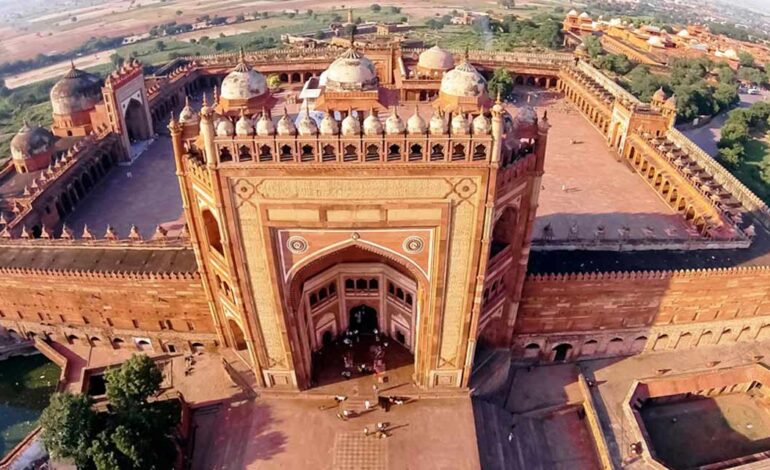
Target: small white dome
column 372, row 125
column 243, row 83
column 265, row 125
column 350, row 125
column 572, row 13
column 463, row 80
column 285, row 125
column 460, row 125
column 394, row 124
column 416, row 124
column 188, row 116
column 244, row 126
column 584, row 15
column 307, row 125
column 436, row 58
column 655, row 41
column 481, row 124
column 329, row 125
column 683, row 34
column 225, row 127
column 437, row 124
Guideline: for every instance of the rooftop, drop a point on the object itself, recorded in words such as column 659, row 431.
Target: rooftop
column 98, row 258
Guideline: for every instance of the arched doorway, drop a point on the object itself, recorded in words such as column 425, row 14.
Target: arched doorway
column 561, row 352
column 363, row 319
column 239, row 340
column 137, row 126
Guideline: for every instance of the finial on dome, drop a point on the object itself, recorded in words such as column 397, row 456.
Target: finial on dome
column 498, row 100
column 72, row 64
column 205, row 99
column 241, row 55
column 187, row 100
column 216, row 95
column 466, row 55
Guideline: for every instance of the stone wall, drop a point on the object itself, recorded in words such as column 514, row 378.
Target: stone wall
column 613, row 314
column 97, row 308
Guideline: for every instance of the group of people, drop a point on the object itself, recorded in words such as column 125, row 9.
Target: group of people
column 377, row 351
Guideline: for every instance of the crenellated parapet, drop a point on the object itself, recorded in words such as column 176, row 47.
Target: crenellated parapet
column 129, row 71
column 650, row 275
column 90, row 238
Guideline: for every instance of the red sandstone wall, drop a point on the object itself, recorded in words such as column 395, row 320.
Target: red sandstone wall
column 625, row 300
column 111, row 303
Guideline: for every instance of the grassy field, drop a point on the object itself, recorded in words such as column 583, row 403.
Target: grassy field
column 26, row 385
column 750, row 170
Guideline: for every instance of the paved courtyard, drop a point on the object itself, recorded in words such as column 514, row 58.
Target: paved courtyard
column 703, row 431
column 584, row 185
column 294, row 433
column 146, row 194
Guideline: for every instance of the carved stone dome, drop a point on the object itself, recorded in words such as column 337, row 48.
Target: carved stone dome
column 243, row 83
column 31, row 141
column 244, row 126
column 225, row 127
column 372, row 125
column 265, row 125
column 350, row 125
column 76, row 91
column 436, row 58
column 307, row 125
column 659, row 95
column 188, row 116
column 394, row 124
column 464, row 80
column 437, row 124
column 481, row 124
column 351, row 72
column 460, row 124
column 329, row 125
column 286, row 125
column 416, row 124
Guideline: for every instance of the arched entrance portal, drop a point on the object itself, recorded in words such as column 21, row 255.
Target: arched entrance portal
column 363, row 319
column 137, row 126
column 358, row 310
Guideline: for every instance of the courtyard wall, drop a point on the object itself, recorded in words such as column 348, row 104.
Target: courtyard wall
column 621, row 313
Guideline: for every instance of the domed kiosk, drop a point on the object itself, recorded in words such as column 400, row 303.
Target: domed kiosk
column 350, row 82
column 243, row 89
column 434, row 62
column 73, row 98
column 463, row 89
column 32, row 148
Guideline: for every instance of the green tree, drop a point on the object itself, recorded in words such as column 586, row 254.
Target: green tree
column 593, row 46
column 731, row 156
column 135, row 433
column 750, row 74
column 725, row 95
column 179, row 13
column 136, row 380
column 642, row 83
column 501, row 82
column 725, row 74
column 68, row 426
column 160, row 46
column 746, row 59
column 375, row 7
